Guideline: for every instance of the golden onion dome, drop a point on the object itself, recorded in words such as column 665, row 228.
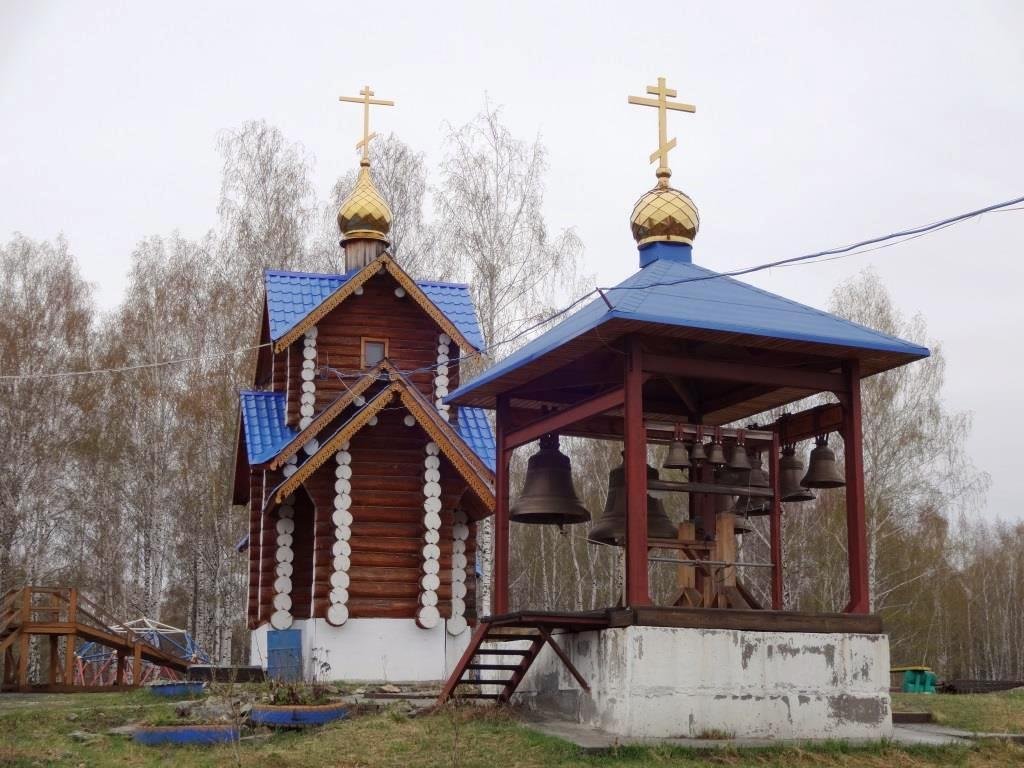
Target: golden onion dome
column 664, row 215
column 364, row 215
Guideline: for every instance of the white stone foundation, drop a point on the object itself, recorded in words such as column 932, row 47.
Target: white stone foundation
column 657, row 682
column 395, row 650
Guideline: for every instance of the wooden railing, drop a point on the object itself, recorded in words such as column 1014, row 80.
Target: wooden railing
column 58, row 605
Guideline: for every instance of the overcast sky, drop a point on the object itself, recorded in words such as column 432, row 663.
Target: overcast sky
column 817, row 125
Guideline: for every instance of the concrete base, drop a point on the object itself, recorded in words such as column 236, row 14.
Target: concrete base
column 660, row 682
column 392, row 650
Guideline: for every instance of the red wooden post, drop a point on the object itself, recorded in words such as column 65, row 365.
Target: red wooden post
column 776, row 523
column 499, row 598
column 856, row 521
column 635, row 440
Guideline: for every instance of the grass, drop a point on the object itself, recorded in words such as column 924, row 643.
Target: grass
column 38, row 734
column 984, row 712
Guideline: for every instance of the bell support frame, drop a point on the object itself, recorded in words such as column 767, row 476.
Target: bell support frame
column 619, row 412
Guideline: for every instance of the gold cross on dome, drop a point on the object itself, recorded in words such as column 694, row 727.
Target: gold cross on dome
column 366, row 99
column 663, row 104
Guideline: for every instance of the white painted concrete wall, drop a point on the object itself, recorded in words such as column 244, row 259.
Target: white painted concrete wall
column 395, row 650
column 665, row 682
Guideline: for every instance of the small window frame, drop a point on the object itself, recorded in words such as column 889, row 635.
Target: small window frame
column 362, row 350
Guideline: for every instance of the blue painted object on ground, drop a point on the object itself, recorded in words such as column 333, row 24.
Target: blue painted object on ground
column 176, row 689
column 284, row 655
column 186, row 734
column 293, row 717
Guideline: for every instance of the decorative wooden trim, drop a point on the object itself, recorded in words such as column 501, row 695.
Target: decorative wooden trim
column 472, row 469
column 328, row 449
column 382, row 262
column 328, row 414
column 466, row 463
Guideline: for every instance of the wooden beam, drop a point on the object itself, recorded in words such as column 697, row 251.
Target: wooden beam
column 856, row 523
column 69, row 659
column 635, row 443
column 820, row 420
column 499, row 598
column 685, row 392
column 689, row 368
column 565, row 659
column 775, row 524
column 553, row 422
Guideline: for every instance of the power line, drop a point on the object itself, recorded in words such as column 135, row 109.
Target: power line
column 854, row 249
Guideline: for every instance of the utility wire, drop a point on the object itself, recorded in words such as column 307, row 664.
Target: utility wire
column 831, row 254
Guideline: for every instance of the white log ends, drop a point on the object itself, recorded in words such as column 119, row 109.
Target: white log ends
column 284, row 528
column 427, row 616
column 341, row 550
column 460, row 532
column 307, row 401
column 441, row 374
column 409, row 420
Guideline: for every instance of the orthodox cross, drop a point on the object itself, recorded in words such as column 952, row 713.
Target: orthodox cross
column 365, row 98
column 663, row 105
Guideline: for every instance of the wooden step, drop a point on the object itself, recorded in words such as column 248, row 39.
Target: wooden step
column 507, row 667
column 492, row 696
column 482, row 682
column 506, row 638
column 502, row 652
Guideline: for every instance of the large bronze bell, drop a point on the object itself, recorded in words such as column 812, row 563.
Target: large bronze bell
column 791, row 472
column 611, row 528
column 678, row 456
column 548, row 496
column 726, row 476
column 823, row 471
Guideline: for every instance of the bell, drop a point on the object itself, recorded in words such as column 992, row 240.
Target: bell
column 791, row 470
column 611, row 528
column 548, row 496
column 754, row 505
column 741, row 528
column 678, row 456
column 716, row 455
column 738, row 459
column 725, row 476
column 823, row 472
column 697, row 454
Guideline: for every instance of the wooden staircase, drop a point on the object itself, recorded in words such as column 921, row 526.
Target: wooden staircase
column 491, row 650
column 56, row 612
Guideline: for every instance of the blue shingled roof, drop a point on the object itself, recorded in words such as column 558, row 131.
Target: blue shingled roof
column 293, row 295
column 698, row 301
column 475, row 429
column 263, row 418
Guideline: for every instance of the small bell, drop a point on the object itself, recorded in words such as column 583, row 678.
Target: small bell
column 823, row 472
column 741, row 527
column 548, row 496
column 738, row 459
column 754, row 505
column 611, row 528
column 716, row 456
column 678, row 456
column 791, row 471
column 697, row 454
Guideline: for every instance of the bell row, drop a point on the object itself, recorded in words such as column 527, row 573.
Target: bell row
column 549, row 497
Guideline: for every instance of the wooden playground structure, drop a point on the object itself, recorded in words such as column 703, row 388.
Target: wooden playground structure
column 66, row 618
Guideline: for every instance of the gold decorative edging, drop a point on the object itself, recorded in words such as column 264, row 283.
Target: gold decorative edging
column 443, row 436
column 328, row 449
column 327, row 415
column 384, row 261
column 472, row 469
